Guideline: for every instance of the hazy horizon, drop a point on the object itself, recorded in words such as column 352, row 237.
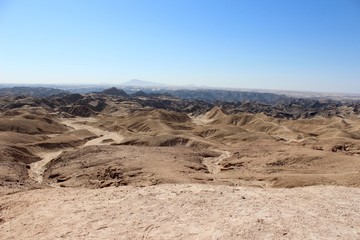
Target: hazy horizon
column 277, row 45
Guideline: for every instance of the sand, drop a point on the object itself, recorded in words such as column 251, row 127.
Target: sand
column 179, row 211
column 37, row 169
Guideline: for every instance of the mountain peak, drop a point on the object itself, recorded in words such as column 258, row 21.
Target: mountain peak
column 115, row 91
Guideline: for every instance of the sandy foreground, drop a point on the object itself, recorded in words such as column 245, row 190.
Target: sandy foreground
column 182, row 211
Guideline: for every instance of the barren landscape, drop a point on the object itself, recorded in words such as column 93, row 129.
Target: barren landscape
column 114, row 165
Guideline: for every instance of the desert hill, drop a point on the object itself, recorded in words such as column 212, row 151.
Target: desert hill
column 114, row 91
column 66, row 144
column 295, row 151
column 30, row 124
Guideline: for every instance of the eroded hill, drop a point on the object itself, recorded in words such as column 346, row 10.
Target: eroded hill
column 112, row 139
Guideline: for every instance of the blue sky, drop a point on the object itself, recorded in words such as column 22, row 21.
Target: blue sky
column 279, row 44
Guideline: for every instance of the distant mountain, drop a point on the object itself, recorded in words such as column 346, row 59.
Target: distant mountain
column 141, row 83
column 116, row 92
column 212, row 95
column 31, row 91
column 85, row 89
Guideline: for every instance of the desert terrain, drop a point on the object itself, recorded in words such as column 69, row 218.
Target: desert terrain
column 115, row 165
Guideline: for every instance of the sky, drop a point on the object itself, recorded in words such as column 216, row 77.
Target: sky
column 279, row 44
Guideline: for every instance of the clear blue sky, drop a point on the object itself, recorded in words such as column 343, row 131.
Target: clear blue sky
column 294, row 45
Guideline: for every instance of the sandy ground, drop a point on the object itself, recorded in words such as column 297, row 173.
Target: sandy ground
column 182, row 212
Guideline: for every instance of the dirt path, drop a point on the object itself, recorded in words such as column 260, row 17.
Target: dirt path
column 103, row 135
column 213, row 164
column 37, row 169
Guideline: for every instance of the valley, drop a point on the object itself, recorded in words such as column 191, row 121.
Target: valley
column 81, row 145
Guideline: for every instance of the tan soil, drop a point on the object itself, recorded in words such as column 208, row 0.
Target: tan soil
column 182, row 212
